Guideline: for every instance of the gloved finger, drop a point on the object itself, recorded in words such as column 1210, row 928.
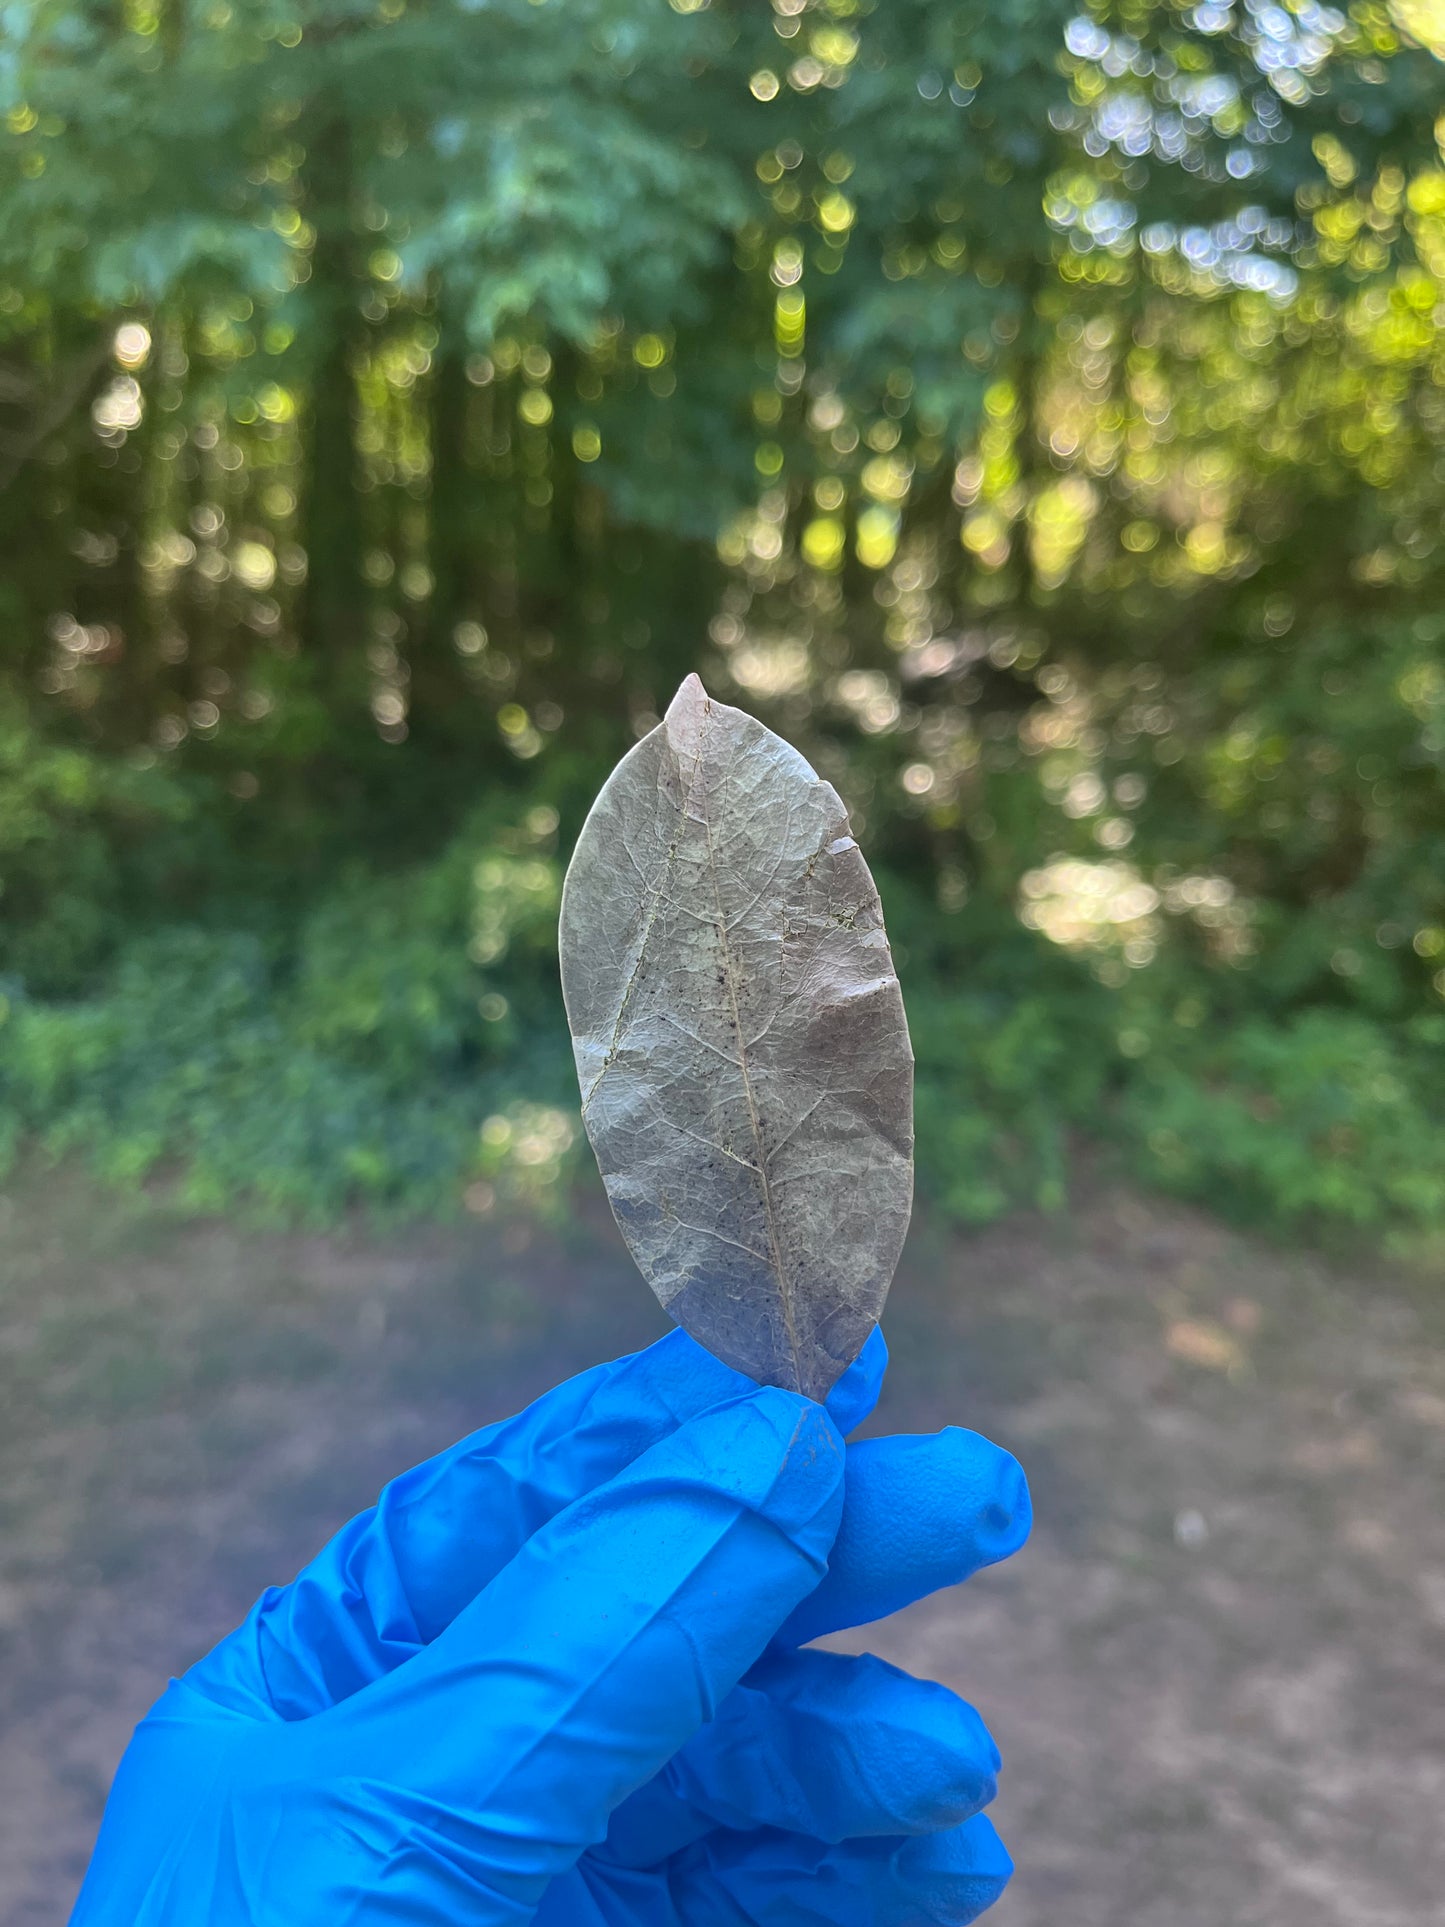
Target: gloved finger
column 786, row 1880
column 823, row 1744
column 592, row 1895
column 399, row 1573
column 581, row 1669
column 919, row 1513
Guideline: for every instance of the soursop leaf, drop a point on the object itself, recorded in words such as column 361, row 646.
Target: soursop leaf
column 746, row 1074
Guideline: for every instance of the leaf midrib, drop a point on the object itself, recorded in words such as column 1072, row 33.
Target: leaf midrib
column 761, row 1165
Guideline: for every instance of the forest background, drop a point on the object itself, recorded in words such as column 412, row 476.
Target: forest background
column 1037, row 413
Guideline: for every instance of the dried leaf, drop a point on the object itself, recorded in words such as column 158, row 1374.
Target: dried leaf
column 747, row 1080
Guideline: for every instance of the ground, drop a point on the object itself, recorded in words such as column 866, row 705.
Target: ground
column 1217, row 1673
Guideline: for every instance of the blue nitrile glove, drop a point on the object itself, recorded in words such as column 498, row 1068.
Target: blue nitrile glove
column 552, row 1677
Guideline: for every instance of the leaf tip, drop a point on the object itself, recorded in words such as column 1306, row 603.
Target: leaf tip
column 686, row 714
column 690, row 698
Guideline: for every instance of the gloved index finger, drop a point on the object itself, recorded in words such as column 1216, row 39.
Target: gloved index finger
column 394, row 1577
column 920, row 1512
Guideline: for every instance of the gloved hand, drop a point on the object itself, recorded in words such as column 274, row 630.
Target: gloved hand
column 553, row 1677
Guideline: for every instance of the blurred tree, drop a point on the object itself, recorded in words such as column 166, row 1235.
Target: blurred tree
column 1039, row 408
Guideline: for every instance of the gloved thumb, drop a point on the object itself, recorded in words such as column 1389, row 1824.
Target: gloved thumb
column 489, row 1761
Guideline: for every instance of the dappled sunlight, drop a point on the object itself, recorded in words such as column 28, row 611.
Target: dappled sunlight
column 1047, row 441
column 1036, row 416
column 1111, row 911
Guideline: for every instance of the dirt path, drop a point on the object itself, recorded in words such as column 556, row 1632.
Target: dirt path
column 1217, row 1674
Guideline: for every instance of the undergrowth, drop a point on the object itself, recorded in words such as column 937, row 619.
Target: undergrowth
column 401, row 1045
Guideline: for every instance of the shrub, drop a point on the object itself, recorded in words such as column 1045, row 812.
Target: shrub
column 403, row 1046
column 1327, row 1119
column 356, row 1062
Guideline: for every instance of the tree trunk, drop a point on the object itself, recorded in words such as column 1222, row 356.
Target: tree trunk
column 452, row 486
column 332, row 610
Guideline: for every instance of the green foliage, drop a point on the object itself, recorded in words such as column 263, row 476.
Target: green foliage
column 403, row 1047
column 357, row 1061
column 1000, row 1084
column 1328, row 1121
column 1034, row 409
column 1014, row 1052
column 62, row 814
